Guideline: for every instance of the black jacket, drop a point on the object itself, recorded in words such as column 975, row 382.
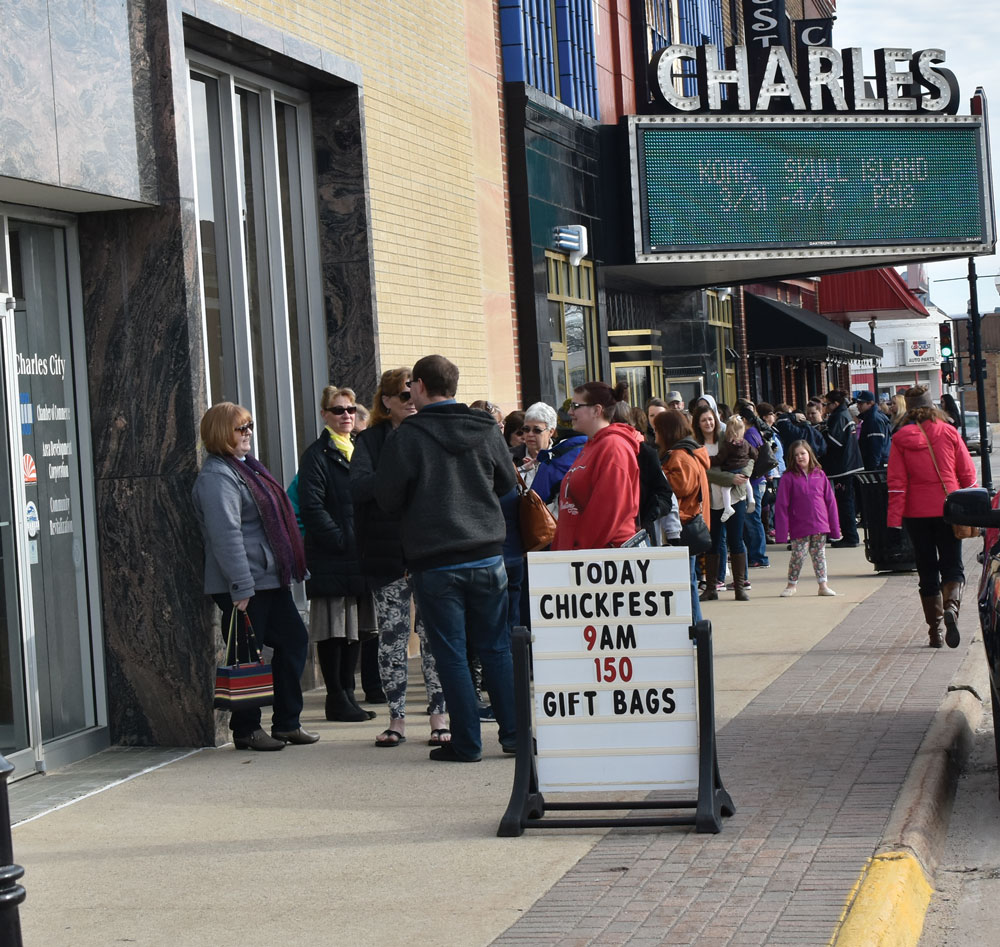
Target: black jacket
column 655, row 494
column 843, row 456
column 327, row 511
column 378, row 533
column 876, row 432
column 443, row 470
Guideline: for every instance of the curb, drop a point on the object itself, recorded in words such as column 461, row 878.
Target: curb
column 890, row 899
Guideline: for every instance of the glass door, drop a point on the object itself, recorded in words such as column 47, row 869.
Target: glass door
column 50, row 678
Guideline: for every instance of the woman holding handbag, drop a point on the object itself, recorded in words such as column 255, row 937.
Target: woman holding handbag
column 685, row 464
column 253, row 552
column 929, row 460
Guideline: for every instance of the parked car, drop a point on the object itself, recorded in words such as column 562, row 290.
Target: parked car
column 972, row 434
column 973, row 507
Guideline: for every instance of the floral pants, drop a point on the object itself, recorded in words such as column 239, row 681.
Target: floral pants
column 392, row 602
column 815, row 544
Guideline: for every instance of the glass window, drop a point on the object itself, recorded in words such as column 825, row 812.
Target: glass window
column 572, row 324
column 259, row 254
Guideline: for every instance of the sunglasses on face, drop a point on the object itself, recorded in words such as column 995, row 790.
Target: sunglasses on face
column 339, row 409
column 576, row 405
column 404, row 396
column 532, row 430
column 244, row 429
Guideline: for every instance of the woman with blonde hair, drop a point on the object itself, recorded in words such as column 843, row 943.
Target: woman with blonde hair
column 253, row 553
column 341, row 609
column 928, row 461
column 382, row 561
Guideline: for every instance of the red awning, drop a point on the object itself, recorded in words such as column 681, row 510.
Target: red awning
column 868, row 294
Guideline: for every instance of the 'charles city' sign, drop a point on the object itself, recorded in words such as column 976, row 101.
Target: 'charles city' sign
column 829, row 80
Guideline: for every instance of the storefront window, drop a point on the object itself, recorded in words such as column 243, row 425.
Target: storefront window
column 259, row 257
column 572, row 324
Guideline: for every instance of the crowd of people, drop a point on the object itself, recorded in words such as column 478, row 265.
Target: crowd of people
column 409, row 518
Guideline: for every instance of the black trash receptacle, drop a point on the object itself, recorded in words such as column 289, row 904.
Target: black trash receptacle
column 882, row 550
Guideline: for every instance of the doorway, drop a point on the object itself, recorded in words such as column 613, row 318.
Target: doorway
column 52, row 700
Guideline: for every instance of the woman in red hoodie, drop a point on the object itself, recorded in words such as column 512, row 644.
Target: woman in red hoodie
column 599, row 496
column 928, row 460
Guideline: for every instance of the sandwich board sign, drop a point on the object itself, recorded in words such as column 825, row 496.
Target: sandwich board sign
column 620, row 698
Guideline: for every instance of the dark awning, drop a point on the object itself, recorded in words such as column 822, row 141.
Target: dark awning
column 774, row 328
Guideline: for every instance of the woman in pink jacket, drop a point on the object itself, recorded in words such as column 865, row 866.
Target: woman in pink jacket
column 928, row 460
column 805, row 510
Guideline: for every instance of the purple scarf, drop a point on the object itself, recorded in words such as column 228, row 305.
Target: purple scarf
column 276, row 512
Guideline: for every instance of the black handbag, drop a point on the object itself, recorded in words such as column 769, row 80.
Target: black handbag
column 695, row 535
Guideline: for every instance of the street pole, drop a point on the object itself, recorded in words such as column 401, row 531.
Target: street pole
column 956, row 336
column 871, row 328
column 977, row 357
column 11, row 893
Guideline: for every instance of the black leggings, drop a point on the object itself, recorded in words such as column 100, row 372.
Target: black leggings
column 938, row 554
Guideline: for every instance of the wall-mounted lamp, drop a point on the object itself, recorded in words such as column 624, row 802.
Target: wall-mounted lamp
column 722, row 293
column 572, row 238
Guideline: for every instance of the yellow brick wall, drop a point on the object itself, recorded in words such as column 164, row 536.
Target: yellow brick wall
column 435, row 175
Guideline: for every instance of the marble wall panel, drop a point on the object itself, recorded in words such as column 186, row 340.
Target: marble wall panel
column 27, row 118
column 159, row 641
column 345, row 240
column 140, row 314
column 92, row 86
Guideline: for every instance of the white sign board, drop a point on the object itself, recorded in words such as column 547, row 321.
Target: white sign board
column 921, row 351
column 615, row 699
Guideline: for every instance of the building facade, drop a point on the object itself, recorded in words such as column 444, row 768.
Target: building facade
column 206, row 201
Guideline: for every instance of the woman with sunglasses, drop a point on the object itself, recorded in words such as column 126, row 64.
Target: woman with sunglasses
column 539, row 427
column 253, row 553
column 341, row 609
column 599, row 497
column 381, row 551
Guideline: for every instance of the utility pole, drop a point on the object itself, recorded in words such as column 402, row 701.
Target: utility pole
column 977, row 356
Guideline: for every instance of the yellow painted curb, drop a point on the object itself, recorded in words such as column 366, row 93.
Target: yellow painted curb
column 887, row 906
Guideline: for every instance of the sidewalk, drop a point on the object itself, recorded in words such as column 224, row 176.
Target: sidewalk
column 821, row 706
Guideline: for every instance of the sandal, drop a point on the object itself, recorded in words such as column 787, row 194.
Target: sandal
column 437, row 737
column 389, row 738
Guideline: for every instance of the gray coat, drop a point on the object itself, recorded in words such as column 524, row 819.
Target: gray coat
column 238, row 557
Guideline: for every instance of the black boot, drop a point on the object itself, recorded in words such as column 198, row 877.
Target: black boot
column 350, row 650
column 329, row 653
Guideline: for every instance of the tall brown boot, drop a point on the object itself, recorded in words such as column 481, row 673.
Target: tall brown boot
column 951, row 592
column 933, row 610
column 740, row 577
column 711, row 579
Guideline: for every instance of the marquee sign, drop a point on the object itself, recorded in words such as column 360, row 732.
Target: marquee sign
column 860, row 190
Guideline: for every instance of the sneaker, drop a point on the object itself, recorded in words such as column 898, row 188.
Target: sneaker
column 732, row 588
column 788, row 591
column 825, row 590
column 760, row 565
column 486, row 713
column 843, row 544
column 721, row 586
column 770, row 536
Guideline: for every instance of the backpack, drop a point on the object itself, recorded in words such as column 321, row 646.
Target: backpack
column 767, row 458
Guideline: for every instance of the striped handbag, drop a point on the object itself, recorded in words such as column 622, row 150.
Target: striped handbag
column 242, row 686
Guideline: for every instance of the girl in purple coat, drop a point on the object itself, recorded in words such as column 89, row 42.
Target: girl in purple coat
column 804, row 512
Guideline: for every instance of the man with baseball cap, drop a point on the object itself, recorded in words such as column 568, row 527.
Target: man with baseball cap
column 876, row 431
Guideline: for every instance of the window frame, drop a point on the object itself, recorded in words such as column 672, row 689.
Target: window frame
column 290, row 407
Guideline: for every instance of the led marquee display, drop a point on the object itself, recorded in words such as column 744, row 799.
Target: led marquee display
column 722, row 184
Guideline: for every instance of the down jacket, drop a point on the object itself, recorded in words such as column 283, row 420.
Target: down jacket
column 327, row 511
column 685, row 466
column 915, row 488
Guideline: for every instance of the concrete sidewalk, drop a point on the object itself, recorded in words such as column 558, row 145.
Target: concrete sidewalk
column 821, row 704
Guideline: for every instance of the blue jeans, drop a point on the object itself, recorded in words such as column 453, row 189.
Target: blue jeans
column 277, row 623
column 456, row 603
column 843, row 493
column 729, row 533
column 756, row 538
column 695, row 604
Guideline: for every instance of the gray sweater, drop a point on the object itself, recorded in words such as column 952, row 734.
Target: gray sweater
column 238, row 557
column 443, row 471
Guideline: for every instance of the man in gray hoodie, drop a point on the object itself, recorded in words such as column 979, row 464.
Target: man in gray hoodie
column 443, row 471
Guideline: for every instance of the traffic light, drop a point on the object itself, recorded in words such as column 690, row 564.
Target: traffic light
column 944, row 337
column 948, row 372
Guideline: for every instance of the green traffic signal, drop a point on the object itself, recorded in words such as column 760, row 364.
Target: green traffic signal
column 944, row 339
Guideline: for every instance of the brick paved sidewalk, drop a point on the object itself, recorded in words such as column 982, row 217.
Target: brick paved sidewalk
column 814, row 765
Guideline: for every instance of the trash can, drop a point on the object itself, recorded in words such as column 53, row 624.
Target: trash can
column 884, row 552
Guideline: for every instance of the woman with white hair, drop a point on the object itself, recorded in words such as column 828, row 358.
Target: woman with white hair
column 551, row 460
column 537, row 430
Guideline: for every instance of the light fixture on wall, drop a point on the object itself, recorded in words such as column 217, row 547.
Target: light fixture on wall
column 722, row 293
column 572, row 238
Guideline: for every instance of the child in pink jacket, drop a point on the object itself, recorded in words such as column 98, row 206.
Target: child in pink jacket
column 804, row 512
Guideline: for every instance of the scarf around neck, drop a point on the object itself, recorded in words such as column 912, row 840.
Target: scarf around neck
column 277, row 515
